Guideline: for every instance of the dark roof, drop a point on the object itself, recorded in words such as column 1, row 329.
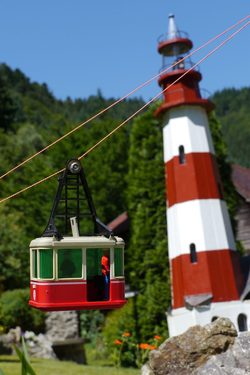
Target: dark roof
column 241, row 180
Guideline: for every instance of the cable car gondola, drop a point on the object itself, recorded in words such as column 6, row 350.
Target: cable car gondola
column 76, row 272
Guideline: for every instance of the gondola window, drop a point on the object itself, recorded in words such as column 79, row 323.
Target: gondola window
column 69, row 263
column 46, row 263
column 119, row 262
column 34, row 264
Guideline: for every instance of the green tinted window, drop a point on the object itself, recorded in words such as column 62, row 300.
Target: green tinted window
column 46, row 263
column 94, row 262
column 118, row 262
column 69, row 263
column 34, row 263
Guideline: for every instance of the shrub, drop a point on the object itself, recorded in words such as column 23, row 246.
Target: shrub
column 116, row 323
column 91, row 323
column 15, row 311
column 122, row 337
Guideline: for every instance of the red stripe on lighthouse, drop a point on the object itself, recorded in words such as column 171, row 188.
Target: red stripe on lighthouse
column 213, row 273
column 192, row 176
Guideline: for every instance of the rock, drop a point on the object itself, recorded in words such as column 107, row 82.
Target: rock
column 62, row 329
column 7, row 340
column 62, row 325
column 61, row 340
column 146, row 370
column 39, row 345
column 235, row 361
column 184, row 354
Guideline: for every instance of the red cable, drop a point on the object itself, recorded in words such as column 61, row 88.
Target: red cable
column 159, row 94
column 119, row 100
column 124, row 122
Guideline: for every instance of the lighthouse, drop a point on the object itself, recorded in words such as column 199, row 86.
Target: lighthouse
column 206, row 278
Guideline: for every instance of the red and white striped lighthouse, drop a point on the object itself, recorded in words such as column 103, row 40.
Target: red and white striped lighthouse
column 205, row 271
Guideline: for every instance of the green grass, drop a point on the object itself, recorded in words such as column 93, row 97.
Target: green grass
column 11, row 366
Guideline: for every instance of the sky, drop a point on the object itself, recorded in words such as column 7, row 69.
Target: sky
column 78, row 46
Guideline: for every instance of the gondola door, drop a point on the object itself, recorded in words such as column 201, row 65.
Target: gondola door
column 97, row 264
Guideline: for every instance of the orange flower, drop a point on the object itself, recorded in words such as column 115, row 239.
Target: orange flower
column 157, row 337
column 118, row 342
column 126, row 334
column 152, row 347
column 144, row 346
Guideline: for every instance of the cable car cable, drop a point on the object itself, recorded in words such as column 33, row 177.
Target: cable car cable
column 132, row 116
column 119, row 100
column 159, row 94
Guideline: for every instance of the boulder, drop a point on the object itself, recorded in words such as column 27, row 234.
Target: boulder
column 62, row 329
column 235, row 361
column 62, row 325
column 7, row 340
column 39, row 345
column 184, row 354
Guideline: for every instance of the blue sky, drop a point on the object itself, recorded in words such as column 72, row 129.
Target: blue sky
column 78, row 46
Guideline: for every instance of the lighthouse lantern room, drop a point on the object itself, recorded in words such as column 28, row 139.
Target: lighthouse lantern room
column 206, row 278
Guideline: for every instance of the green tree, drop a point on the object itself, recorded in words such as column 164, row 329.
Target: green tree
column 233, row 111
column 224, row 166
column 39, row 119
column 8, row 108
column 147, row 259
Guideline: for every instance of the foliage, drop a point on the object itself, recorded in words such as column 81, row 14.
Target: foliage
column 233, row 111
column 24, row 359
column 8, row 107
column 224, row 167
column 90, row 324
column 117, row 322
column 15, row 311
column 146, row 259
column 127, row 352
column 32, row 119
column 121, row 337
column 11, row 366
column 25, row 217
column 14, row 262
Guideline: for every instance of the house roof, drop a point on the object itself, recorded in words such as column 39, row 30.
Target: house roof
column 241, row 180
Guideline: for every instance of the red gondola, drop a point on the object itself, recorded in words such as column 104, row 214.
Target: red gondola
column 77, row 272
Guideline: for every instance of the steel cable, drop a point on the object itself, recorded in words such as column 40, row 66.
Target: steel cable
column 132, row 116
column 119, row 100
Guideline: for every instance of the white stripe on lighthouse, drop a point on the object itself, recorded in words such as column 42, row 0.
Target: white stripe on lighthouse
column 186, row 126
column 203, row 222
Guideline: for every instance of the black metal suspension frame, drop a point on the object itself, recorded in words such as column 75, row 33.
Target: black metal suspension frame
column 73, row 178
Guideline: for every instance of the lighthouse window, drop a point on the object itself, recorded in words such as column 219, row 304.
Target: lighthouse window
column 193, row 254
column 182, row 158
column 46, row 263
column 69, row 263
column 242, row 322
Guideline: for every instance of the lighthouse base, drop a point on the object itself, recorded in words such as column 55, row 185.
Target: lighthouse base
column 179, row 320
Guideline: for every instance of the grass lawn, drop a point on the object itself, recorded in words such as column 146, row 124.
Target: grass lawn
column 11, row 366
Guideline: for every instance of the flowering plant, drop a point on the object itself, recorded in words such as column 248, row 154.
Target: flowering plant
column 127, row 352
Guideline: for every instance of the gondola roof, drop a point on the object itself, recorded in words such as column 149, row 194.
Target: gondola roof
column 84, row 241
